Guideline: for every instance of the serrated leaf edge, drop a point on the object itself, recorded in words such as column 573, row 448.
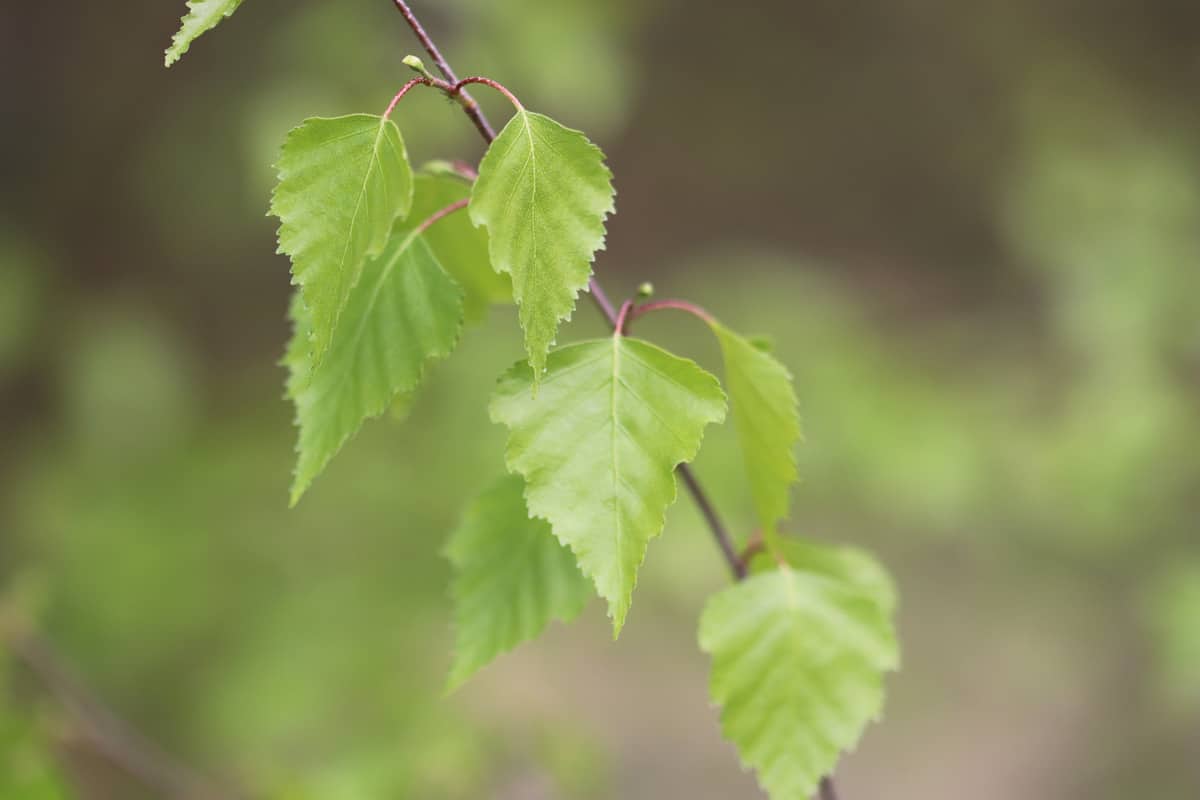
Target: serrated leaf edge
column 617, row 615
column 422, row 370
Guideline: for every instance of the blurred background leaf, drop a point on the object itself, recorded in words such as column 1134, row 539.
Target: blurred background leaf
column 971, row 233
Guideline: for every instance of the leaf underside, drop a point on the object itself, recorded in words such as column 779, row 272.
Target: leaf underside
column 511, row 578
column 598, row 445
column 202, row 16
column 405, row 312
column 765, row 414
column 343, row 182
column 798, row 659
column 543, row 193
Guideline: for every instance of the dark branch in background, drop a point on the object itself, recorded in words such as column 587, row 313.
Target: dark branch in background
column 111, row 737
column 827, row 790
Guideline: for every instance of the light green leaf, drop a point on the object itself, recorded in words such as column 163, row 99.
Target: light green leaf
column 202, row 16
column 848, row 565
column 767, row 420
column 543, row 192
column 598, row 446
column 343, row 182
column 511, row 578
column 461, row 248
column 798, row 659
column 404, row 313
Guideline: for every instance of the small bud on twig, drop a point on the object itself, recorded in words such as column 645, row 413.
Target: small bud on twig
column 417, row 66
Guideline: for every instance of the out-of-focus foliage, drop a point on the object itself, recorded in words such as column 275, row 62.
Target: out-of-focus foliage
column 1171, row 608
column 406, row 314
column 27, row 769
column 23, row 274
column 983, row 277
column 592, row 80
column 461, row 247
column 512, row 577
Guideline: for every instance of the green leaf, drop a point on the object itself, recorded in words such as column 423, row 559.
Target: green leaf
column 598, row 445
column 511, row 578
column 847, row 565
column 798, row 659
column 461, row 248
column 343, row 182
column 404, row 313
column 27, row 765
column 543, row 193
column 768, row 422
column 202, row 17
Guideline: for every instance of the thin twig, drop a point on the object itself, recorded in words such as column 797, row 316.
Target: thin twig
column 441, row 213
column 112, row 737
column 719, row 531
column 599, row 297
column 458, row 90
column 622, row 315
column 676, row 305
column 405, row 89
column 468, row 103
column 602, row 302
column 487, row 132
column 716, row 526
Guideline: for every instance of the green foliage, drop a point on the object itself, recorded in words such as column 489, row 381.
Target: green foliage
column 23, row 273
column 598, row 445
column 461, row 248
column 767, row 419
column 27, row 768
column 543, row 193
column 387, row 273
column 343, row 182
column 1171, row 608
column 511, row 578
column 799, row 653
column 405, row 312
column 202, row 16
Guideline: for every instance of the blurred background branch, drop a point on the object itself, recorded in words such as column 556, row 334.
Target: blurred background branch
column 95, row 727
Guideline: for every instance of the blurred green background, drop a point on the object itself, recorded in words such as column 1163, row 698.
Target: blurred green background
column 972, row 230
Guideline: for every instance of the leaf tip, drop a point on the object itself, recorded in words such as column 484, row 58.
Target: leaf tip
column 455, row 679
column 618, row 610
column 300, row 484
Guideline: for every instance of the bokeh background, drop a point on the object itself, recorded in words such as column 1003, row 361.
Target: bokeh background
column 972, row 230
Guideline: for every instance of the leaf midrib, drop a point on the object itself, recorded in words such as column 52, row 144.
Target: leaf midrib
column 615, row 382
column 362, row 193
column 365, row 317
